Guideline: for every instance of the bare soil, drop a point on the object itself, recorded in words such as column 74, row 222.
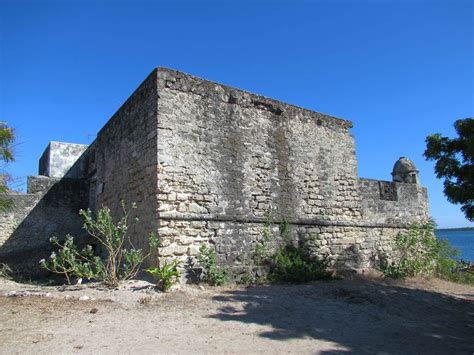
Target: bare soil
column 359, row 315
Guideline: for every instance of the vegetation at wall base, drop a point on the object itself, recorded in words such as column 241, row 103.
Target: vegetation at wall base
column 71, row 262
column 290, row 262
column 122, row 259
column 167, row 274
column 419, row 253
column 458, row 271
column 293, row 264
column 262, row 249
column 213, row 273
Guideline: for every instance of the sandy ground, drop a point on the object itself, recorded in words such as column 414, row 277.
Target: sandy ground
column 363, row 315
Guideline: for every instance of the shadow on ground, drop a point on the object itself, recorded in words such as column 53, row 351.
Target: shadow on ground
column 361, row 316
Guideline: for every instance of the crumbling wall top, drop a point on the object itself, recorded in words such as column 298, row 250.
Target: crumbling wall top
column 176, row 80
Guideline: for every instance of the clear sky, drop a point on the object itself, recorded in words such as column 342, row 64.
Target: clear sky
column 399, row 69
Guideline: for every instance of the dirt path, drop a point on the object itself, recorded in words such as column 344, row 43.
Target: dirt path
column 356, row 316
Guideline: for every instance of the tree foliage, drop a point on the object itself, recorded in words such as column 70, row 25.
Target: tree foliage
column 7, row 137
column 455, row 163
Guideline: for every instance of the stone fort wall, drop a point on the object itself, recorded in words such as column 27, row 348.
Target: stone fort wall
column 122, row 162
column 230, row 161
column 211, row 164
column 49, row 208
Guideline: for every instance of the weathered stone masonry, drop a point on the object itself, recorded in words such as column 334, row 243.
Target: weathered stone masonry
column 207, row 163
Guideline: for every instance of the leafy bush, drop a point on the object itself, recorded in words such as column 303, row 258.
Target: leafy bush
column 70, row 261
column 122, row 260
column 463, row 272
column 247, row 278
column 167, row 274
column 289, row 263
column 419, row 252
column 452, row 269
column 293, row 264
column 446, row 262
column 416, row 253
column 214, row 274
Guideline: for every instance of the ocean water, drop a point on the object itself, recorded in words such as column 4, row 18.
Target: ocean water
column 463, row 240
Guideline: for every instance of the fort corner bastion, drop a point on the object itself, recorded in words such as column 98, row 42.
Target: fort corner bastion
column 211, row 164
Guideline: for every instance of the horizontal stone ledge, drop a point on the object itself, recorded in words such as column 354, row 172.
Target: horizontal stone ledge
column 299, row 222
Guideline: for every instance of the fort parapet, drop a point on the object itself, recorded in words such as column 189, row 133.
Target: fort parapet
column 211, row 164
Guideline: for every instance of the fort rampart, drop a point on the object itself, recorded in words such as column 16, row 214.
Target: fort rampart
column 207, row 163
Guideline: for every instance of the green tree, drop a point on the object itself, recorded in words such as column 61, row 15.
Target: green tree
column 7, row 137
column 455, row 163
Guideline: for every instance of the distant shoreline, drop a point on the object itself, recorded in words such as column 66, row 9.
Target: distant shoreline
column 456, row 229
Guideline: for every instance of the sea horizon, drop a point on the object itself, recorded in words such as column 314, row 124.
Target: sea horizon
column 456, row 228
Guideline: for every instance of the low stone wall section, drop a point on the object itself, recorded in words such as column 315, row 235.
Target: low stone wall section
column 355, row 248
column 52, row 211
column 386, row 202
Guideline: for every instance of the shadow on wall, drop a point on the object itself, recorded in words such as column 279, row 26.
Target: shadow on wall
column 56, row 213
column 360, row 316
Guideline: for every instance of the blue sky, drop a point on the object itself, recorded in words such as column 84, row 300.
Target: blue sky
column 400, row 70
